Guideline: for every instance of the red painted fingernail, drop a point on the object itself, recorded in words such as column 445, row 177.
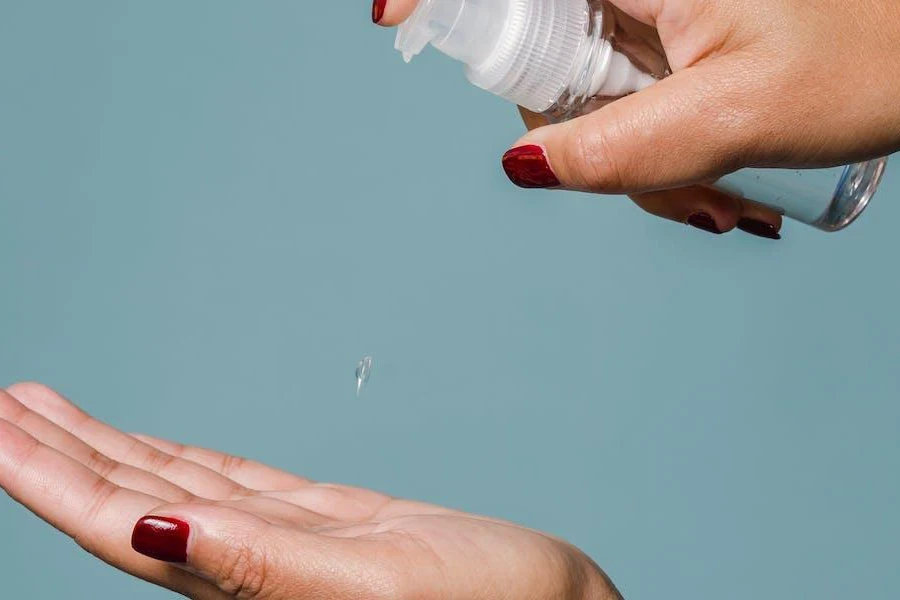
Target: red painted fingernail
column 759, row 228
column 161, row 538
column 378, row 10
column 527, row 167
column 703, row 221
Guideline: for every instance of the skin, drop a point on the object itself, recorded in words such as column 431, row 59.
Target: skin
column 769, row 83
column 765, row 83
column 257, row 532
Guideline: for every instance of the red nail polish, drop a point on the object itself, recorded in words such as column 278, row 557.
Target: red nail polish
column 378, row 10
column 161, row 538
column 759, row 228
column 527, row 167
column 703, row 221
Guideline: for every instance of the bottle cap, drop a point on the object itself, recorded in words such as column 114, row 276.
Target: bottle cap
column 522, row 50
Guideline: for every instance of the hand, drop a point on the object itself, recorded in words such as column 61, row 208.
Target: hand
column 212, row 526
column 764, row 83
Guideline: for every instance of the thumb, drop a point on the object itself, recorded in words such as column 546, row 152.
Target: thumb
column 238, row 552
column 686, row 129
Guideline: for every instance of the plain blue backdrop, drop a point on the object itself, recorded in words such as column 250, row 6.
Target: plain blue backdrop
column 211, row 210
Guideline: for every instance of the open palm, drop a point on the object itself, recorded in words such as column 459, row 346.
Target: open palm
column 210, row 525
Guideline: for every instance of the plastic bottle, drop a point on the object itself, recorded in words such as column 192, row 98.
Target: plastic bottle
column 565, row 58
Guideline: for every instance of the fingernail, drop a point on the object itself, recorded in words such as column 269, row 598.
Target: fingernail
column 703, row 221
column 759, row 228
column 527, row 167
column 378, row 10
column 161, row 538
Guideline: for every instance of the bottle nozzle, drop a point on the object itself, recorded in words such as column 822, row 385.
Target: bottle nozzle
column 466, row 30
column 416, row 32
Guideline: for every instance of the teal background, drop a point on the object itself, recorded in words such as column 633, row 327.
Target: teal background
column 210, row 210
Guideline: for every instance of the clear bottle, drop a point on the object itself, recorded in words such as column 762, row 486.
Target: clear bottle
column 565, row 58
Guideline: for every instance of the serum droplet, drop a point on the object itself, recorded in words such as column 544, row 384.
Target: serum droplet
column 363, row 370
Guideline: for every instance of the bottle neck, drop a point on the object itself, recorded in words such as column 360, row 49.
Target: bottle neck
column 602, row 72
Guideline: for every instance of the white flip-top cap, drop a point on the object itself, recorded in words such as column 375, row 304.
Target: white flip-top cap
column 522, row 50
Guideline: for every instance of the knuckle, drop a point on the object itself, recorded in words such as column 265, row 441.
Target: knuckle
column 592, row 160
column 243, row 572
column 100, row 464
column 231, row 465
column 157, row 461
column 12, row 410
column 101, row 494
column 21, row 453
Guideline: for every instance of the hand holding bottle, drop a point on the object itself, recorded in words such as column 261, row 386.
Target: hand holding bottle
column 762, row 84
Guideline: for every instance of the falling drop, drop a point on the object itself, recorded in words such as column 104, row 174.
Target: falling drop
column 363, row 370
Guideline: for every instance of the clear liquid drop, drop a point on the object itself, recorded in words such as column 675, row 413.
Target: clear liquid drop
column 363, row 370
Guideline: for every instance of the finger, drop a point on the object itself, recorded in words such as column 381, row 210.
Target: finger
column 61, row 440
column 119, row 446
column 715, row 211
column 760, row 220
column 341, row 502
column 97, row 514
column 712, row 211
column 246, row 557
column 683, row 130
column 245, row 472
column 392, row 12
